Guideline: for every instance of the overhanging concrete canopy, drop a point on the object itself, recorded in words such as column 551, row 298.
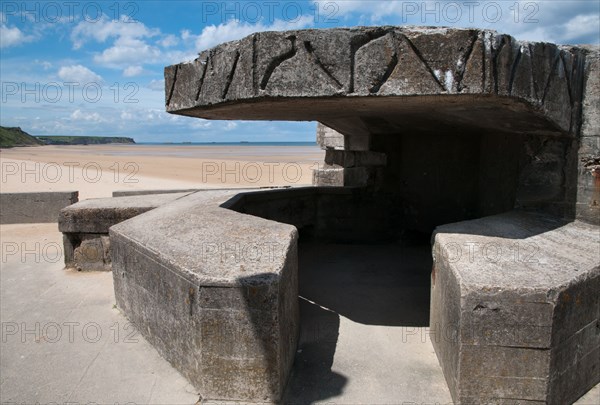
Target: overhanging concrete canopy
column 385, row 79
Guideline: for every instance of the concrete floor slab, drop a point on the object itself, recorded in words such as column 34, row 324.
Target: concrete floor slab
column 64, row 342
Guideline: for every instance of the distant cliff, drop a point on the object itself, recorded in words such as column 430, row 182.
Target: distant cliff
column 11, row 137
column 84, row 140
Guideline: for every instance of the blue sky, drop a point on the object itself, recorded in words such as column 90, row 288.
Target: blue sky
column 80, row 67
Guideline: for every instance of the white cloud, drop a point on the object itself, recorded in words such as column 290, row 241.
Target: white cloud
column 230, row 125
column 157, row 85
column 127, row 51
column 43, row 63
column 79, row 115
column 168, row 41
column 126, row 115
column 134, row 70
column 582, row 26
column 12, row 36
column 200, row 124
column 78, row 74
column 106, row 28
column 213, row 35
column 562, row 22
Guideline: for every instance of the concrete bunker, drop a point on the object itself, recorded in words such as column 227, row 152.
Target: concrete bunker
column 422, row 127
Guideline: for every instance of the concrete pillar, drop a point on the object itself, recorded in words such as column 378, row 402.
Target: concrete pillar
column 588, row 157
column 348, row 160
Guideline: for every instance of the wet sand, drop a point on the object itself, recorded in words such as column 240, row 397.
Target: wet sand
column 98, row 170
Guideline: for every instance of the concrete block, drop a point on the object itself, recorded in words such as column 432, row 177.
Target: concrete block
column 91, row 253
column 588, row 158
column 515, row 308
column 359, row 71
column 98, row 214
column 129, row 193
column 328, row 138
column 27, row 208
column 348, row 159
column 215, row 291
column 85, row 226
column 329, row 176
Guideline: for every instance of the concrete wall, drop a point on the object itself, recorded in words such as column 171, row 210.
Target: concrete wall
column 348, row 214
column 129, row 193
column 428, row 174
column 30, row 208
column 588, row 156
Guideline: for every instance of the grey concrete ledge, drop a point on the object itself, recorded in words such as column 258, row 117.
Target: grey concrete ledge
column 40, row 207
column 85, row 226
column 184, row 232
column 515, row 308
column 215, row 291
column 355, row 70
column 130, row 193
column 96, row 215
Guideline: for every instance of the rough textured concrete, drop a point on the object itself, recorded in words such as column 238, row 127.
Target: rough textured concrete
column 328, row 139
column 441, row 125
column 28, row 208
column 122, row 367
column 98, row 214
column 350, row 168
column 515, row 114
column 588, row 157
column 347, row 214
column 215, row 291
column 515, row 308
column 85, row 226
column 129, row 193
column 323, row 72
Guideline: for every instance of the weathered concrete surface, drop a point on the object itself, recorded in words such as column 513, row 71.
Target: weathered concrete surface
column 215, row 291
column 588, row 157
column 515, row 308
column 328, row 139
column 374, row 88
column 122, row 367
column 85, row 226
column 27, row 208
column 129, row 193
column 349, row 79
column 98, row 214
column 347, row 214
column 350, row 168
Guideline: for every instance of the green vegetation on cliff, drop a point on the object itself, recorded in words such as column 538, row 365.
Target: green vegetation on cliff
column 84, row 140
column 11, row 137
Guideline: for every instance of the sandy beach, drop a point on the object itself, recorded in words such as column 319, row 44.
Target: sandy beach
column 98, row 170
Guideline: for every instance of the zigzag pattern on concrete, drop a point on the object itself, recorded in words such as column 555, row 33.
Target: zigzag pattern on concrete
column 381, row 61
